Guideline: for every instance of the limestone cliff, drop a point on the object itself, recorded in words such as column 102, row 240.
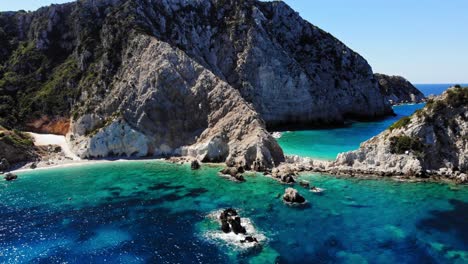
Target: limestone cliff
column 398, row 90
column 175, row 77
column 433, row 141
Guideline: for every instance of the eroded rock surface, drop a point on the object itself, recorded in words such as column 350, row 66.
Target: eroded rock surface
column 398, row 90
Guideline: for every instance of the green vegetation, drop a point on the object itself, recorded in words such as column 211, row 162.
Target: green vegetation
column 400, row 123
column 456, row 97
column 16, row 138
column 401, row 144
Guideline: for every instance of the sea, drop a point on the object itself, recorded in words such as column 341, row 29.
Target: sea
column 158, row 212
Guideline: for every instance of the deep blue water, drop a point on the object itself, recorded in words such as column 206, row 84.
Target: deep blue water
column 155, row 212
column 436, row 89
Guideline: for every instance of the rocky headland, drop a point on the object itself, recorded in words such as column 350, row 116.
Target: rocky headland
column 430, row 144
column 141, row 78
column 398, row 90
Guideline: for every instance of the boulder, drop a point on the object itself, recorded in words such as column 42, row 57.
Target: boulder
column 230, row 221
column 291, row 195
column 4, row 164
column 195, row 165
column 249, row 239
column 304, row 184
column 10, row 177
column 234, row 173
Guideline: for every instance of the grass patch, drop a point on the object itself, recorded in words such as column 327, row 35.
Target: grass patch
column 401, row 123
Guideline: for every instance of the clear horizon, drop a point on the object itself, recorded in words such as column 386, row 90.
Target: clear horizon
column 427, row 44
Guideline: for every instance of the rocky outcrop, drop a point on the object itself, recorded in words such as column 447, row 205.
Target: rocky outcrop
column 292, row 196
column 163, row 78
column 433, row 141
column 10, row 177
column 398, row 90
column 15, row 148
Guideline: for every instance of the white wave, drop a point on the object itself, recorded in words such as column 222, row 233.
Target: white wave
column 276, row 135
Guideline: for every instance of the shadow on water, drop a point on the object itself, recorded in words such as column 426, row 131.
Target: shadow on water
column 454, row 220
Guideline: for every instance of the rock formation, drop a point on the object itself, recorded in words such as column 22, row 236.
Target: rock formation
column 15, row 147
column 292, row 196
column 398, row 90
column 433, row 141
column 165, row 78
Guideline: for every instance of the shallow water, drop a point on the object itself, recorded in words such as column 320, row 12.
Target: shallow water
column 327, row 143
column 155, row 212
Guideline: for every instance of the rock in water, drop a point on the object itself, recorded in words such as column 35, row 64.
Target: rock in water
column 10, row 177
column 234, row 173
column 291, row 195
column 195, row 165
column 230, row 221
column 304, row 184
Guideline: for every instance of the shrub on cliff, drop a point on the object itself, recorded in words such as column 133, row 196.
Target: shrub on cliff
column 401, row 144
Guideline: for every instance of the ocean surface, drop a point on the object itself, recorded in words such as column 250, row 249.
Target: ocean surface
column 325, row 144
column 156, row 212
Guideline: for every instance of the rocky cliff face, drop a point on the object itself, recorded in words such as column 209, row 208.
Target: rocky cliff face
column 433, row 141
column 398, row 90
column 172, row 77
column 15, row 147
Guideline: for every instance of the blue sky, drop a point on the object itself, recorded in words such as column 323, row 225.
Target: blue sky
column 425, row 41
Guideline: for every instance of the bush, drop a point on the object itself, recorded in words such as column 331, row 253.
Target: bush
column 401, row 144
column 457, row 97
column 400, row 123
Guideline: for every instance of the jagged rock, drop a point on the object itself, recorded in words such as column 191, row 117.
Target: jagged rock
column 234, row 172
column 230, row 221
column 195, row 165
column 4, row 164
column 397, row 89
column 292, row 196
column 431, row 141
column 10, row 177
column 225, row 226
column 249, row 239
column 236, row 227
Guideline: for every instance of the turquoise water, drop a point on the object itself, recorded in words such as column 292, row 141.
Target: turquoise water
column 154, row 212
column 327, row 143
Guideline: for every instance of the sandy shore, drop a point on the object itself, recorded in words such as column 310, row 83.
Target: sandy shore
column 49, row 139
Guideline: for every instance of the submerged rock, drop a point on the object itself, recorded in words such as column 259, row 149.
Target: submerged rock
column 234, row 173
column 291, row 195
column 10, row 177
column 304, row 184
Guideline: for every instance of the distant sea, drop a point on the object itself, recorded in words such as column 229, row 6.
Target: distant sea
column 436, row 89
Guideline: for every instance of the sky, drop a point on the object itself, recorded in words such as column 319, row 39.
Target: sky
column 425, row 41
